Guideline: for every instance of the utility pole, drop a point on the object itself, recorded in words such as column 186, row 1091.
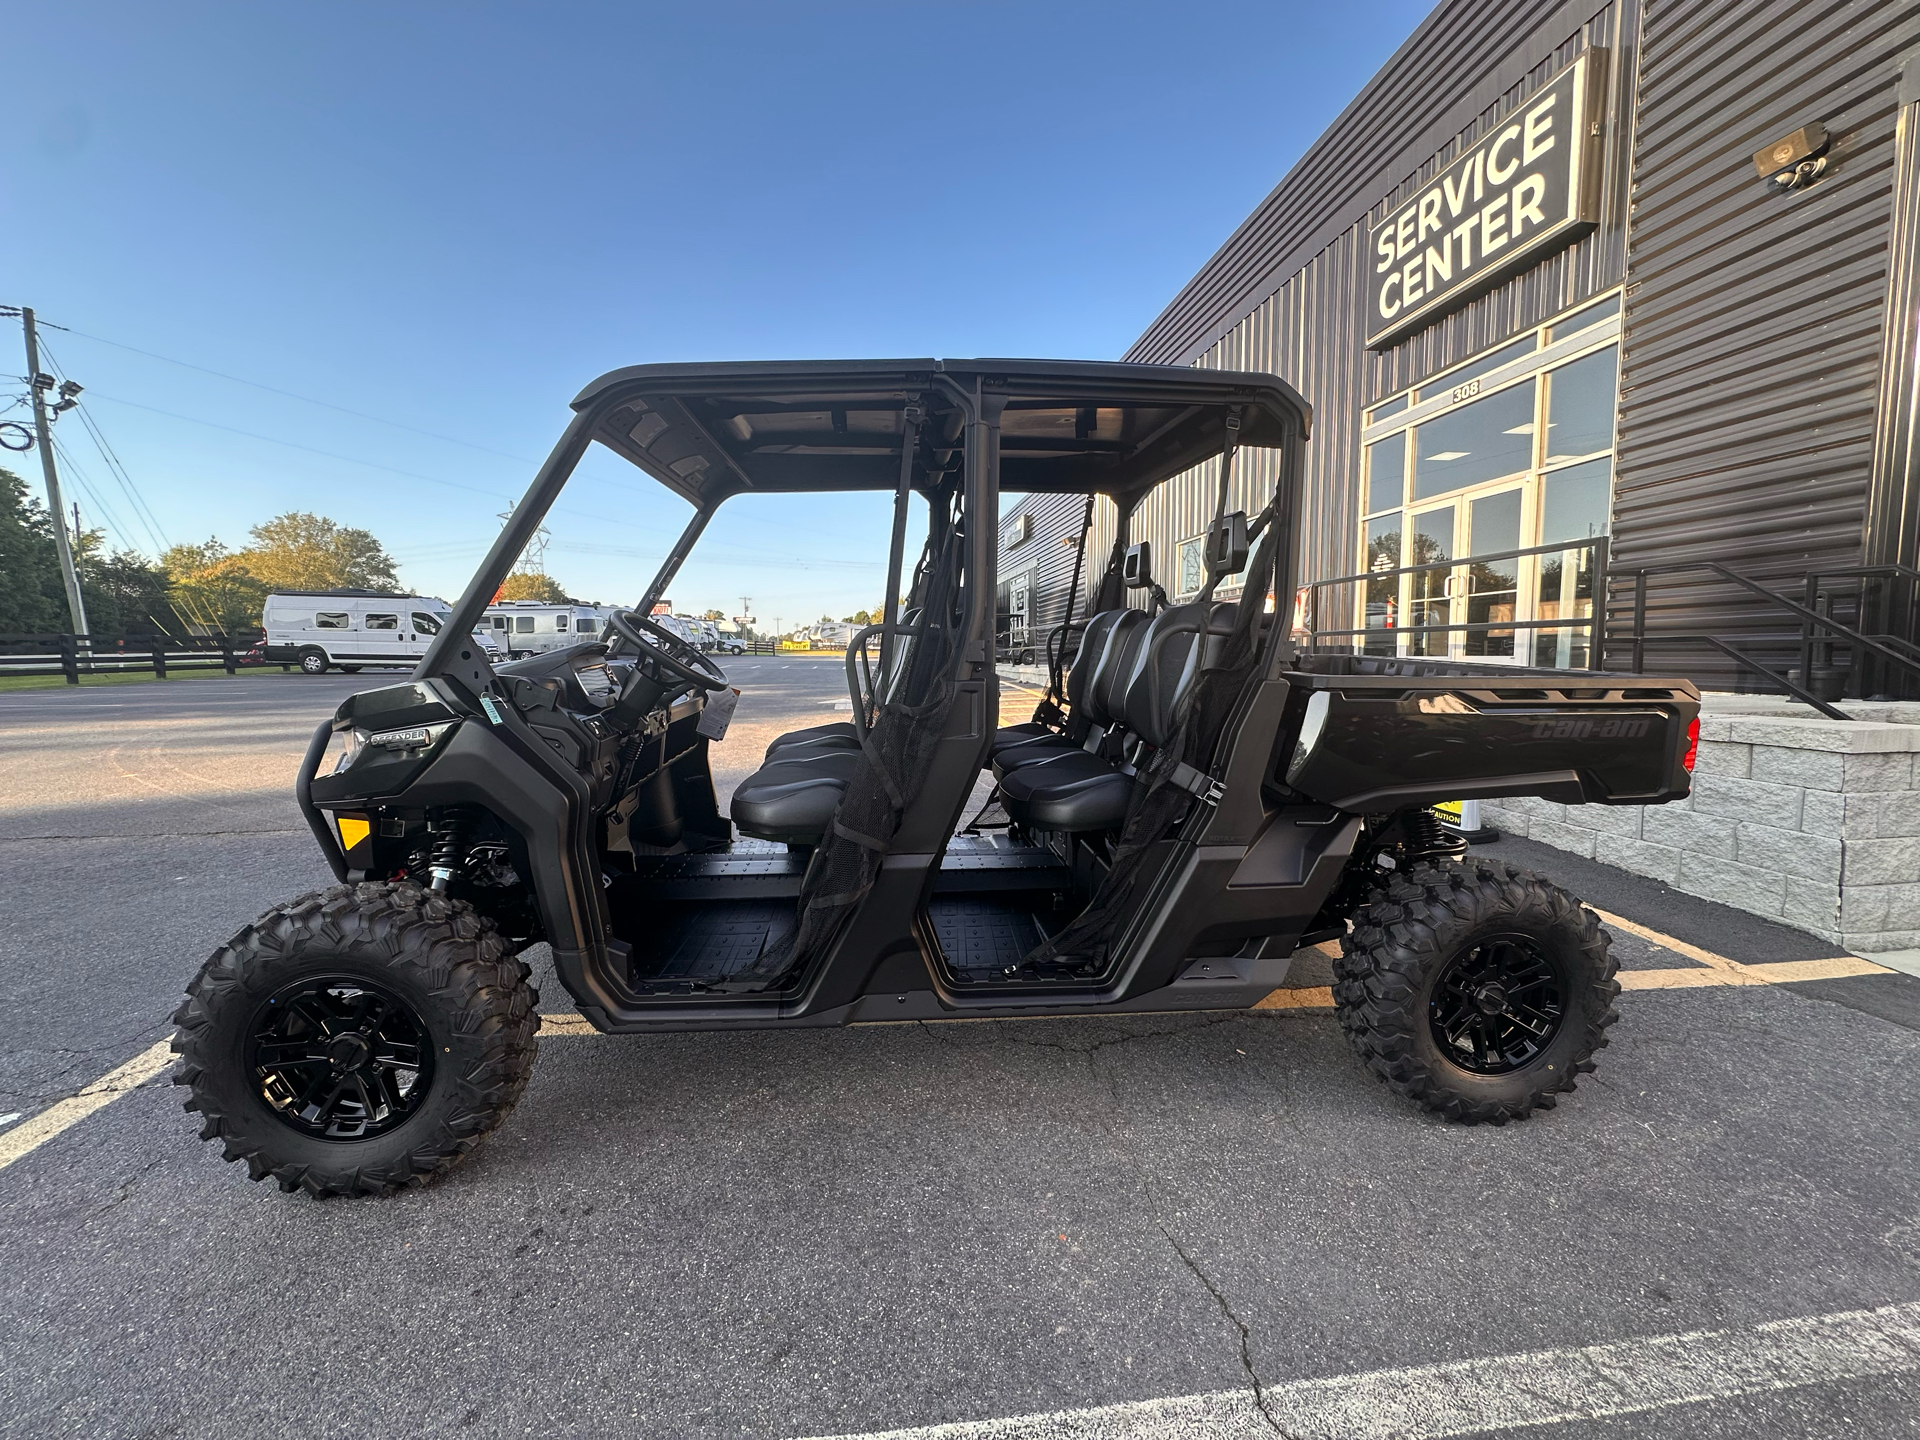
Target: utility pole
column 76, row 610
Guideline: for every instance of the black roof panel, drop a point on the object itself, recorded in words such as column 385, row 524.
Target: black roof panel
column 711, row 430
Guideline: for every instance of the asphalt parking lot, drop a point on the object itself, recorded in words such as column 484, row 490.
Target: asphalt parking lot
column 1195, row 1225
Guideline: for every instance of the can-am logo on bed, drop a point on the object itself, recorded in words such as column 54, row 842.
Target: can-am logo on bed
column 1527, row 189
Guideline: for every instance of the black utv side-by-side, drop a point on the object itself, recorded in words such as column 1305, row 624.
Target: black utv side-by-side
column 1194, row 802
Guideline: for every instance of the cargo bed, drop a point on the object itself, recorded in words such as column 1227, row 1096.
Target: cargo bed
column 1369, row 734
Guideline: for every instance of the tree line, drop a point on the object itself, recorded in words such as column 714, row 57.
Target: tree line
column 195, row 587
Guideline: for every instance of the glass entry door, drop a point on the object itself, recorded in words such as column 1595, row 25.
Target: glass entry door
column 1430, row 592
column 1493, row 587
column 1469, row 591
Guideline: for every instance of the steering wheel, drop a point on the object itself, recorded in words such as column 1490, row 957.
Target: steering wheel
column 658, row 644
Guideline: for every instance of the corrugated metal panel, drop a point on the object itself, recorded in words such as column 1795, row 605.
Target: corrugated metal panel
column 1309, row 330
column 1754, row 320
column 1047, row 553
column 1429, row 90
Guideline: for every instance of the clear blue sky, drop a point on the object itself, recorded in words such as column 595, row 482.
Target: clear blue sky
column 453, row 216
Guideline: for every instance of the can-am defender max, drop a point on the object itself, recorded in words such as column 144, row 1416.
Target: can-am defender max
column 1193, row 803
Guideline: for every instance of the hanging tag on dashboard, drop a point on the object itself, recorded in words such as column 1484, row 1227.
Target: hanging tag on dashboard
column 718, row 714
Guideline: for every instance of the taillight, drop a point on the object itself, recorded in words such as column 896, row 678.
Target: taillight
column 1693, row 745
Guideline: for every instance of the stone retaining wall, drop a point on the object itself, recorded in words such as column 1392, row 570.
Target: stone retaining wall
column 1809, row 821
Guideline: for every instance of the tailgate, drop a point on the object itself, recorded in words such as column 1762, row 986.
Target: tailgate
column 1371, row 743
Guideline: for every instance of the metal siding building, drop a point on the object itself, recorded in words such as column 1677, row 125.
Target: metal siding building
column 1763, row 344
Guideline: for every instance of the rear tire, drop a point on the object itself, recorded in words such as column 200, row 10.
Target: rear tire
column 314, row 662
column 1435, row 950
column 471, row 1012
column 349, row 669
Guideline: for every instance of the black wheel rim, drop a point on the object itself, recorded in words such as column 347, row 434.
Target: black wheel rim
column 1497, row 1005
column 338, row 1057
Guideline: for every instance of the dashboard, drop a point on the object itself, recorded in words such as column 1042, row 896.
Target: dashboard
column 578, row 702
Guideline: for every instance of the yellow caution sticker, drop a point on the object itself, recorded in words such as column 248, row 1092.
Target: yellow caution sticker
column 353, row 829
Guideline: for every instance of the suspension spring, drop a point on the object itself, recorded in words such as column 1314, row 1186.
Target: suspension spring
column 449, row 845
column 1428, row 838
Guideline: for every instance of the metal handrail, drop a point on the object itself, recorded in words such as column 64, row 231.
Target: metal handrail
column 1901, row 653
column 1596, row 543
column 1595, row 622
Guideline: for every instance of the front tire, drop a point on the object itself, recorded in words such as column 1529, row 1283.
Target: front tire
column 1476, row 989
column 314, row 662
column 357, row 1040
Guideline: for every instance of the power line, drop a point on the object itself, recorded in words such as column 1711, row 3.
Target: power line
column 596, row 517
column 311, row 450
column 85, row 482
column 304, row 399
column 143, row 512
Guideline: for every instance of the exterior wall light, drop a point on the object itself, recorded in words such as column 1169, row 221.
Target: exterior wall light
column 1794, row 161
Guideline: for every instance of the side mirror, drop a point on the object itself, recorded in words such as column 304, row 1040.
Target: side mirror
column 1227, row 544
column 1137, row 569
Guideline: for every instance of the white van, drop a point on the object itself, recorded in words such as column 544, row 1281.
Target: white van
column 348, row 629
column 532, row 627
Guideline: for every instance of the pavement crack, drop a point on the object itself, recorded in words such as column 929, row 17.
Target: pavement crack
column 1148, row 1188
column 126, row 1188
column 1246, row 1333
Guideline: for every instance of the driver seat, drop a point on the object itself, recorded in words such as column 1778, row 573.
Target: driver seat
column 793, row 800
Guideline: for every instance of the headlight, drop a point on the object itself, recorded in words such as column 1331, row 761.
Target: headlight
column 356, row 742
column 1311, row 725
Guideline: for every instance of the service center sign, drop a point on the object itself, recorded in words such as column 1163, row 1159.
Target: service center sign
column 1526, row 190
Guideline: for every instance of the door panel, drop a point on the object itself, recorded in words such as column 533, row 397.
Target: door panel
column 1493, row 588
column 1430, row 592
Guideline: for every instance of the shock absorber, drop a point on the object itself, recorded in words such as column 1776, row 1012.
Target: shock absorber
column 449, row 845
column 1427, row 838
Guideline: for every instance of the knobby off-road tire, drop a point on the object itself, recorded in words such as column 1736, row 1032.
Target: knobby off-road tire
column 1409, row 935
column 439, row 957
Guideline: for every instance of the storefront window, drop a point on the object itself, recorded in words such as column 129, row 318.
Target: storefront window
column 1580, row 407
column 1474, row 369
column 1387, row 473
column 1585, row 319
column 1467, row 474
column 1481, row 441
column 1573, row 502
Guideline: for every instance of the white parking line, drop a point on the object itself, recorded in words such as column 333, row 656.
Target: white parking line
column 25, row 1139
column 1466, row 1397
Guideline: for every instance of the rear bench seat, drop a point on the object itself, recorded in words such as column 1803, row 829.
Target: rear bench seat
column 1098, row 654
column 1091, row 788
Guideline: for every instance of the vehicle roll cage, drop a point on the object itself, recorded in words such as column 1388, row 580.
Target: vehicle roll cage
column 973, row 422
